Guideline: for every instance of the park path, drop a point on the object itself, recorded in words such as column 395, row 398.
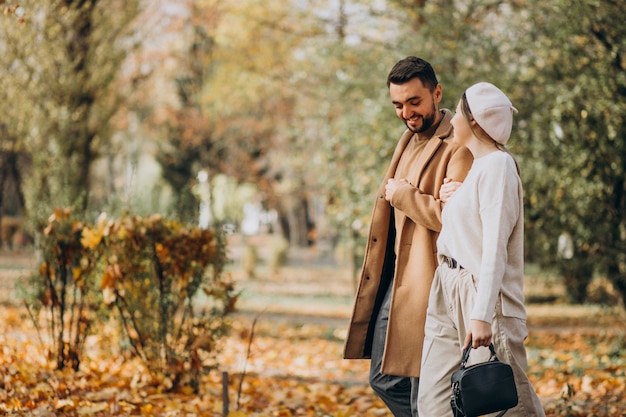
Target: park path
column 313, row 289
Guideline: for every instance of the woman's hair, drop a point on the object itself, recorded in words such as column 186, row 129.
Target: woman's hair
column 412, row 67
column 479, row 132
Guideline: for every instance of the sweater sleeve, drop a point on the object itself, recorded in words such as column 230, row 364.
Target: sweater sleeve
column 499, row 212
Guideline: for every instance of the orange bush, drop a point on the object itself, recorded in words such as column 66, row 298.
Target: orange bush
column 162, row 281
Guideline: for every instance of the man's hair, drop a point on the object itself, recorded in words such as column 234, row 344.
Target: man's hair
column 412, row 67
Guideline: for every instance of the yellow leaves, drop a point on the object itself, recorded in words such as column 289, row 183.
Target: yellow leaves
column 77, row 273
column 187, row 390
column 91, row 238
column 111, row 275
column 43, row 268
column 92, row 409
column 293, row 370
column 122, row 233
column 64, row 404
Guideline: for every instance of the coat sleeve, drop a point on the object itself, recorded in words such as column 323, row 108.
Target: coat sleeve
column 424, row 208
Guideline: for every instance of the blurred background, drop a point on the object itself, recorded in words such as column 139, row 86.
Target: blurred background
column 272, row 118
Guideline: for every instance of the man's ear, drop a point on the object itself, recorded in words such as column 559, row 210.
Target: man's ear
column 438, row 93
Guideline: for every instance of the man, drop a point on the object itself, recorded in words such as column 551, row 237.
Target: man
column 387, row 324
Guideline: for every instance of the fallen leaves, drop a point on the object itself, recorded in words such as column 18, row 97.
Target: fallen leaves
column 293, row 370
column 577, row 361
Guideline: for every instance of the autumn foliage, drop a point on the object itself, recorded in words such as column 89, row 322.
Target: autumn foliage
column 282, row 355
column 576, row 363
column 160, row 283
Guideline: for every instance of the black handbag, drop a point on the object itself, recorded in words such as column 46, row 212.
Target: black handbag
column 483, row 388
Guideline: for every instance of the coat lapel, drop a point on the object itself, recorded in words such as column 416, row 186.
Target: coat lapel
column 395, row 160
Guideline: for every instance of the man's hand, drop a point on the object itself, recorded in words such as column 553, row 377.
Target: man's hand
column 391, row 187
column 448, row 188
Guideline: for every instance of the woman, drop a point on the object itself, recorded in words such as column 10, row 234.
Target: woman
column 477, row 293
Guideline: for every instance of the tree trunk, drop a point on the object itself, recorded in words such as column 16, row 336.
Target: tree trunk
column 577, row 273
column 618, row 280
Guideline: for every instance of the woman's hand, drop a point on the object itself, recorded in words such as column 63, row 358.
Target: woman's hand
column 448, row 188
column 479, row 334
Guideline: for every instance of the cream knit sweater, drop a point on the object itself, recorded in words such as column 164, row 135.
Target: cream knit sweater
column 483, row 229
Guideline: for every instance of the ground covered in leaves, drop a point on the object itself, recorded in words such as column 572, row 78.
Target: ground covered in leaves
column 283, row 358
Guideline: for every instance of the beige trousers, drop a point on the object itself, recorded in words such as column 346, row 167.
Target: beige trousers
column 452, row 297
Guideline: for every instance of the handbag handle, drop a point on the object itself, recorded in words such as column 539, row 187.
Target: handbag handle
column 466, row 353
column 468, row 349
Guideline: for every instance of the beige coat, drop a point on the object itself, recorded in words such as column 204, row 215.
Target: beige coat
column 416, row 261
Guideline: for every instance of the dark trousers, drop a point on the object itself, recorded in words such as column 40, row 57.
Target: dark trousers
column 397, row 392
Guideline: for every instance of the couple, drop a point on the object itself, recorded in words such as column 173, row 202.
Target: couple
column 435, row 280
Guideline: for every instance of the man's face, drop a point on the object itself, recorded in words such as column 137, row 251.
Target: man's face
column 415, row 104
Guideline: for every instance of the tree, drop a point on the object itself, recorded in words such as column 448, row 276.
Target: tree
column 14, row 158
column 251, row 99
column 62, row 61
column 575, row 84
column 185, row 130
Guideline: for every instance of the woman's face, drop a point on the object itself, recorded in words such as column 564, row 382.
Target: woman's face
column 462, row 131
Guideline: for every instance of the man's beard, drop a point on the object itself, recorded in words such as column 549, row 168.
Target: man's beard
column 427, row 121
